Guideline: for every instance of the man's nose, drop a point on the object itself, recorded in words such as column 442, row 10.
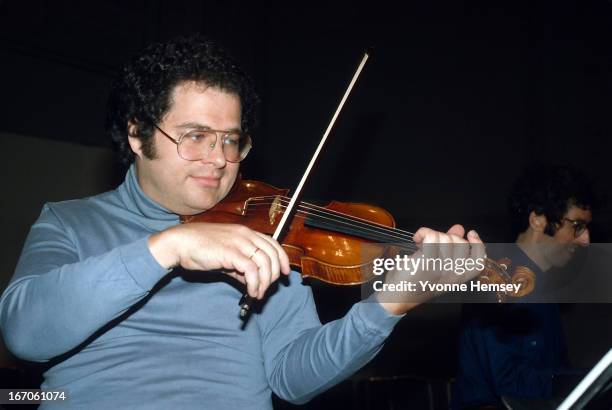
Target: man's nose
column 584, row 239
column 215, row 154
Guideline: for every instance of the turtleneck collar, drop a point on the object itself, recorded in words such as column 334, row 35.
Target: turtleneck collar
column 154, row 216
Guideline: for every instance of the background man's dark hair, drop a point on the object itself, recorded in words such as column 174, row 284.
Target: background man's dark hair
column 548, row 191
column 142, row 92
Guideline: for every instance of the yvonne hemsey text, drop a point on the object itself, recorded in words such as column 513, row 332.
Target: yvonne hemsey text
column 411, row 264
column 426, row 286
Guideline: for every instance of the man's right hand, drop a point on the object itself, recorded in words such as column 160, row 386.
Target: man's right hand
column 252, row 258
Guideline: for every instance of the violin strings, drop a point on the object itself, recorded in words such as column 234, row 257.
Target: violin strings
column 346, row 220
column 355, row 219
column 352, row 221
column 382, row 238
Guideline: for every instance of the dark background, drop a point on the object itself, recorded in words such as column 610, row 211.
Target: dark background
column 456, row 100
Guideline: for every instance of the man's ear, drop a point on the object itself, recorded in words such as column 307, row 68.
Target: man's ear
column 134, row 141
column 537, row 222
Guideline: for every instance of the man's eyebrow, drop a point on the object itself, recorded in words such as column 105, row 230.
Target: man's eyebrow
column 199, row 126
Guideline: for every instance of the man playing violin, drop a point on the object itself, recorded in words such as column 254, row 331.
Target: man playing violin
column 131, row 309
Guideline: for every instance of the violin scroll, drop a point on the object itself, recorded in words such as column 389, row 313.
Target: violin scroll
column 497, row 272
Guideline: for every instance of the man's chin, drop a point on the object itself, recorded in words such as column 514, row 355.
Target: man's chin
column 203, row 199
column 197, row 207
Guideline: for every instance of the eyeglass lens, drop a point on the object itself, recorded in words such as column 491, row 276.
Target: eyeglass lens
column 196, row 145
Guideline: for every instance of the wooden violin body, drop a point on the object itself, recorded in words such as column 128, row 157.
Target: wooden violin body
column 316, row 243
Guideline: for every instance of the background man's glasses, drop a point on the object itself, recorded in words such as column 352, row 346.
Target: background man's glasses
column 578, row 225
column 197, row 144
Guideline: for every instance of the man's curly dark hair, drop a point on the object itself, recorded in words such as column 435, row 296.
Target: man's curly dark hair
column 548, row 191
column 142, row 92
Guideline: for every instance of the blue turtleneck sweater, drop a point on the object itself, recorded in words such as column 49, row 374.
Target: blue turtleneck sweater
column 120, row 331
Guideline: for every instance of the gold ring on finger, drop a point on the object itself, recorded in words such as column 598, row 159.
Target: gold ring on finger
column 253, row 253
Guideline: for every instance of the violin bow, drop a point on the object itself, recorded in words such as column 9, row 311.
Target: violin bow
column 246, row 300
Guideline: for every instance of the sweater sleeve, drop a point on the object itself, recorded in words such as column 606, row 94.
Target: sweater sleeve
column 57, row 299
column 304, row 358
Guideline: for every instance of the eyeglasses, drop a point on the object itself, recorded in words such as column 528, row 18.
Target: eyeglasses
column 578, row 225
column 195, row 145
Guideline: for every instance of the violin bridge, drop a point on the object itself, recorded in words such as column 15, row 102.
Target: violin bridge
column 275, row 209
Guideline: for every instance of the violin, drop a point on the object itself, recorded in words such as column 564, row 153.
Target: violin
column 336, row 243
column 328, row 243
column 323, row 242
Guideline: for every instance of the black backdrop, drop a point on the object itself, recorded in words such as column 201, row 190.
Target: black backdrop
column 456, row 100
